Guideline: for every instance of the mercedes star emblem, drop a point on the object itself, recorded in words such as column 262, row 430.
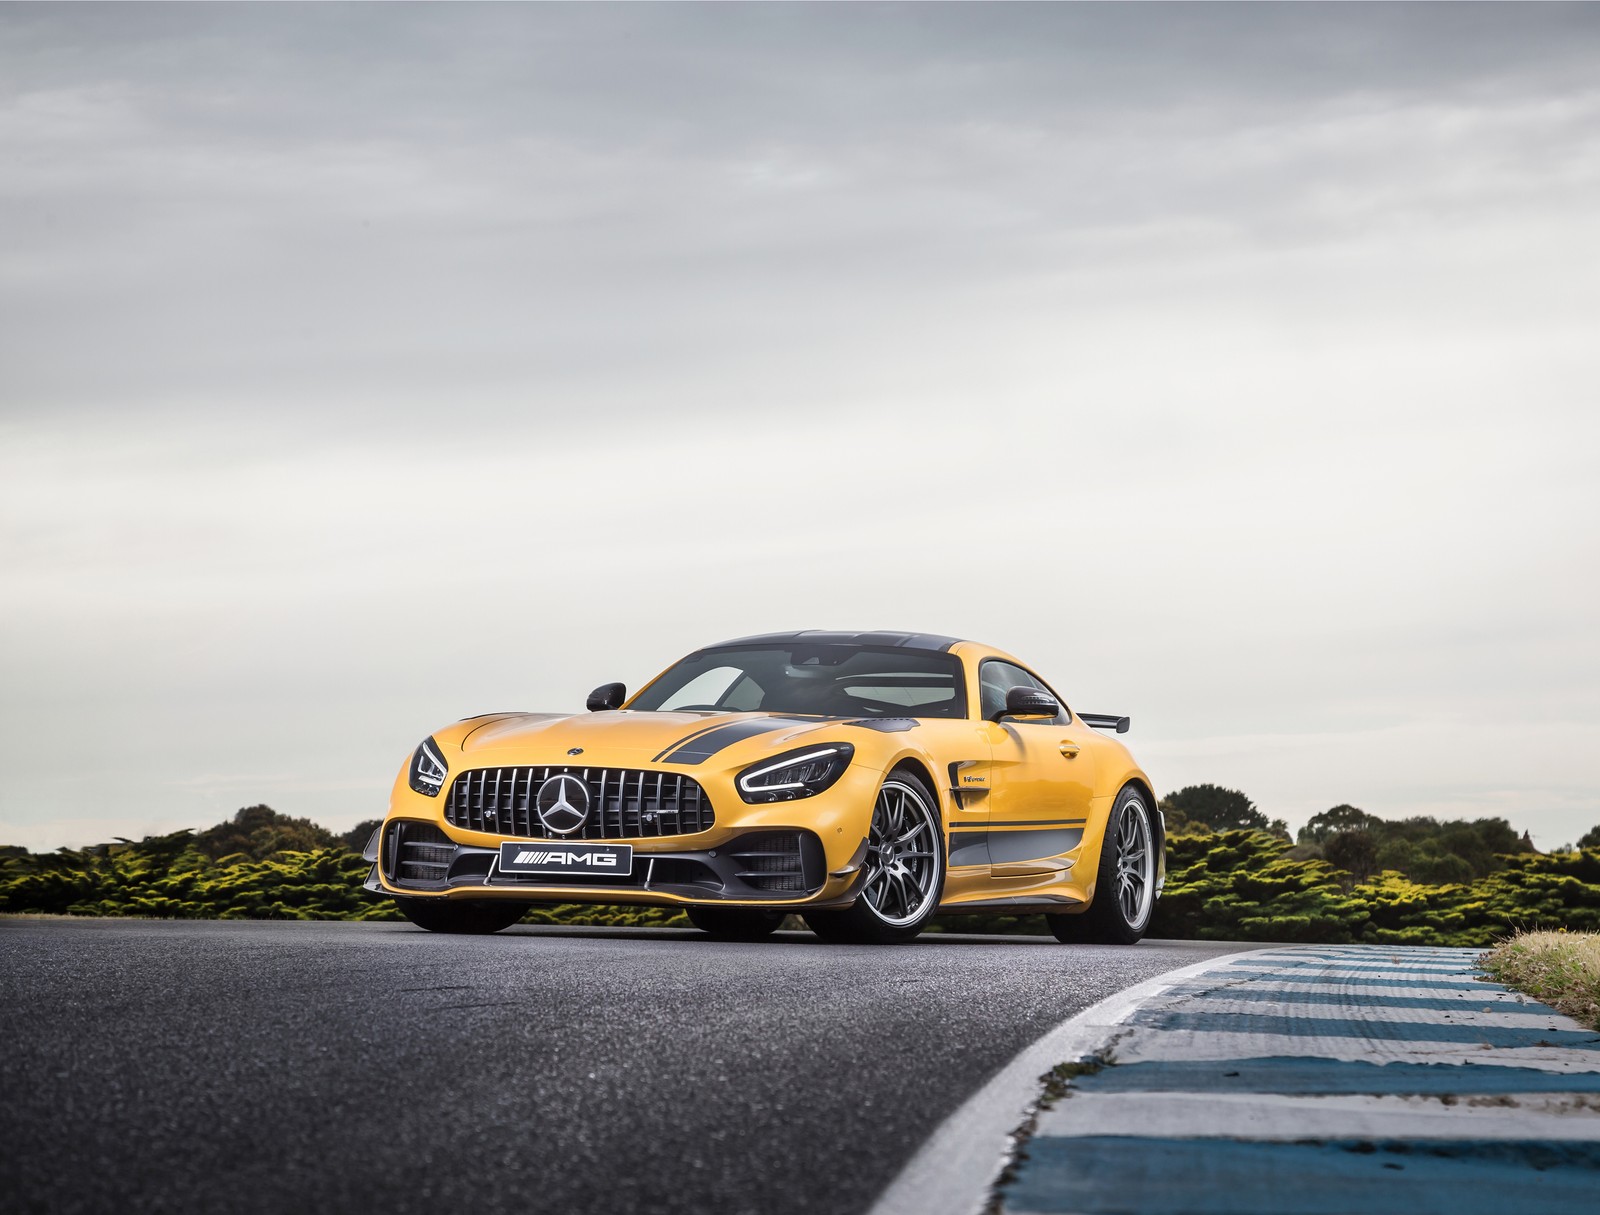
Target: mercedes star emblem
column 563, row 804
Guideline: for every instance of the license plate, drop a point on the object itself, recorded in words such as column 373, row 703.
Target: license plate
column 584, row 860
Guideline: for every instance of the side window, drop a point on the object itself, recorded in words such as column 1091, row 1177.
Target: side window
column 996, row 678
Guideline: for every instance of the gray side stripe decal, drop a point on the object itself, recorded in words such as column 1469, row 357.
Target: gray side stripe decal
column 969, row 848
column 1008, row 846
column 980, row 846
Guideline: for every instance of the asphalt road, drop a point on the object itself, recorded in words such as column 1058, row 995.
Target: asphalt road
column 295, row 1068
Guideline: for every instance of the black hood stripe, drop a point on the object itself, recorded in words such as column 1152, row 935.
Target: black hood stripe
column 698, row 748
column 691, row 736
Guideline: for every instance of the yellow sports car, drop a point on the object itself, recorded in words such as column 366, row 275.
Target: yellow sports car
column 865, row 781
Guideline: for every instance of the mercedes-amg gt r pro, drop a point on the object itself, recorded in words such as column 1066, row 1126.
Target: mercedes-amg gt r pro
column 865, row 781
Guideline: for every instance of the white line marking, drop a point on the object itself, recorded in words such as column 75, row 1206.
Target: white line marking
column 953, row 1170
column 1378, row 1015
column 1318, row 966
column 1141, row 1045
column 1468, row 998
column 1180, row 1115
column 1378, row 955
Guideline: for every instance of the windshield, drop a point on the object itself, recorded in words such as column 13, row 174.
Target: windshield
column 813, row 680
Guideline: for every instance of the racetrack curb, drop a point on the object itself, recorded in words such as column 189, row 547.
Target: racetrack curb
column 954, row 1171
column 1290, row 1080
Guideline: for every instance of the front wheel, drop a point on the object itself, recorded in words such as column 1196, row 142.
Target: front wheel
column 735, row 923
column 904, row 867
column 1125, row 888
column 461, row 918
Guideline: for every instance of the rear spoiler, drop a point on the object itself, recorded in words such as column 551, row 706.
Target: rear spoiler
column 1105, row 721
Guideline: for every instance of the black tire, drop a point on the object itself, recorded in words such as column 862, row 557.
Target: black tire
column 735, row 923
column 1113, row 918
column 455, row 916
column 913, row 889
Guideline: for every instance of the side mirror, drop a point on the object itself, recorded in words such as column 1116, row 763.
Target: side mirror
column 1028, row 702
column 607, row 696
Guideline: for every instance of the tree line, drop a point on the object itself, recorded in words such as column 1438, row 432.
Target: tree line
column 1232, row 874
column 1421, row 848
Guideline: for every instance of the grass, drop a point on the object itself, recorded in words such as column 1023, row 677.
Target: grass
column 1560, row 968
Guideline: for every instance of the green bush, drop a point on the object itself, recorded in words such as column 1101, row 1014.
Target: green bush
column 169, row 877
column 1245, row 885
column 175, row 877
column 1242, row 886
column 1532, row 892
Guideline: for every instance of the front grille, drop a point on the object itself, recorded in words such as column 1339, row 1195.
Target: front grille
column 770, row 860
column 624, row 803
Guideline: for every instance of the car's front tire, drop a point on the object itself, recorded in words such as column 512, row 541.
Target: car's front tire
column 735, row 923
column 456, row 916
column 905, row 868
column 1125, row 885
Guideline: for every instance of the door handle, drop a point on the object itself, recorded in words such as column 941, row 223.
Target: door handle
column 1070, row 749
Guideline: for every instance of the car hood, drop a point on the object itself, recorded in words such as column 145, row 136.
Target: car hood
column 628, row 738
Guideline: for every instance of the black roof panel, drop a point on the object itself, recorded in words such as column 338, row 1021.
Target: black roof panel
column 885, row 638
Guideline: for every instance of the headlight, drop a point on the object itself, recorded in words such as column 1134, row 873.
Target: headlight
column 802, row 773
column 428, row 769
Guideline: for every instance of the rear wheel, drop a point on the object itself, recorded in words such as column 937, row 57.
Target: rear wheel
column 904, row 867
column 735, row 923
column 457, row 916
column 1125, row 888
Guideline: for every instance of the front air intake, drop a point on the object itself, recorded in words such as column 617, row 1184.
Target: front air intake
column 416, row 854
column 775, row 860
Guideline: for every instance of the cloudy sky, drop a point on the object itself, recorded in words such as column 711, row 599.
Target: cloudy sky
column 363, row 368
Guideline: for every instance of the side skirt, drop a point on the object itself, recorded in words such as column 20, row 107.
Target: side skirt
column 1040, row 903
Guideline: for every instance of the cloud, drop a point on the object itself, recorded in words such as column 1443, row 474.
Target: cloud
column 361, row 368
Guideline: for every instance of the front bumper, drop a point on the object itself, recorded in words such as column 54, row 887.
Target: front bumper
column 458, row 860
column 766, row 867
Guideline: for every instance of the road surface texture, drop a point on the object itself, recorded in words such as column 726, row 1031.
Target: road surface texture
column 1321, row 1080
column 182, row 1066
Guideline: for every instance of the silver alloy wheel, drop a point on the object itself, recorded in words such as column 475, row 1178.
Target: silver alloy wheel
column 1136, row 864
column 902, row 855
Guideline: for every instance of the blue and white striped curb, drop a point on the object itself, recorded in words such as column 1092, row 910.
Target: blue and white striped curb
column 1324, row 1080
column 1306, row 1079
